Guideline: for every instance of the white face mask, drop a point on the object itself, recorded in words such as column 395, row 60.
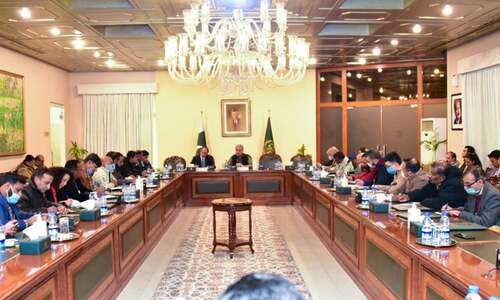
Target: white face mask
column 330, row 157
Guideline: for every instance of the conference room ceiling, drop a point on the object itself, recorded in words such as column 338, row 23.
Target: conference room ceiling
column 340, row 31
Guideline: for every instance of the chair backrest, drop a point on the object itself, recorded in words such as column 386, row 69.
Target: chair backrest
column 268, row 161
column 297, row 158
column 172, row 161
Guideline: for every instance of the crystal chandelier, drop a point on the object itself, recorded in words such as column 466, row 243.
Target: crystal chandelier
column 236, row 47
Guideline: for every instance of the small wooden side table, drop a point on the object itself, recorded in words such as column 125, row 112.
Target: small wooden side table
column 231, row 206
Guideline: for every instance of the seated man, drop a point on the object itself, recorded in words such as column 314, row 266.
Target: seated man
column 483, row 202
column 451, row 159
column 33, row 195
column 74, row 189
column 493, row 171
column 103, row 176
column 378, row 172
column 342, row 164
column 144, row 160
column 131, row 165
column 444, row 188
column 239, row 158
column 119, row 161
column 90, row 164
column 26, row 167
column 10, row 215
column 394, row 166
column 40, row 161
column 416, row 177
column 331, row 153
column 203, row 159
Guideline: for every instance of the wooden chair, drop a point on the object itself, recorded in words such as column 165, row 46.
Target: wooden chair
column 268, row 161
column 297, row 158
column 172, row 161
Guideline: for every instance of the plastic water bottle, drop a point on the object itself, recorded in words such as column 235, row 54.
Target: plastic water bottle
column 52, row 226
column 365, row 198
column 436, row 234
column 473, row 293
column 334, row 183
column 104, row 206
column 93, row 196
column 426, row 229
column 445, row 228
column 2, row 237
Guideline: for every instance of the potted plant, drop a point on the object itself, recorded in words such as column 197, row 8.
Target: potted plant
column 76, row 152
column 432, row 144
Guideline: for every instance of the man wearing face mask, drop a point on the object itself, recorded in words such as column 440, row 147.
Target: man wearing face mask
column 378, row 174
column 90, row 164
column 394, row 166
column 10, row 215
column 483, row 200
column 331, row 152
column 33, row 195
column 444, row 188
column 103, row 176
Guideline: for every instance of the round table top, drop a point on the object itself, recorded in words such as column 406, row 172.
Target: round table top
column 231, row 201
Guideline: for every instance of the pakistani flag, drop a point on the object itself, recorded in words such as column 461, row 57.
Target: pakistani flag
column 202, row 141
column 268, row 140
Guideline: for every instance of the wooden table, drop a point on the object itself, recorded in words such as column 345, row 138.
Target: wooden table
column 231, row 206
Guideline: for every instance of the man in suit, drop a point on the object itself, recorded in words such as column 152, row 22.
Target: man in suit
column 239, row 158
column 203, row 159
column 444, row 188
column 483, row 200
column 378, row 171
column 33, row 195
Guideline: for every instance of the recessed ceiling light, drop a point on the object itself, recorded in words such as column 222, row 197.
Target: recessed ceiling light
column 394, row 42
column 408, row 72
column 447, row 10
column 349, row 95
column 322, row 79
column 381, row 90
column 362, row 50
column 349, row 74
column 329, row 92
column 441, row 75
column 110, row 54
column 360, row 39
column 359, row 75
column 312, row 61
column 78, row 43
column 432, row 75
column 110, row 63
column 25, row 13
column 97, row 54
column 436, row 71
column 77, row 32
column 362, row 60
column 417, row 28
column 369, row 79
column 160, row 62
column 376, row 51
column 55, row 31
column 380, row 70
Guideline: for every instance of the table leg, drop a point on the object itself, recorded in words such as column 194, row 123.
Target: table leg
column 232, row 231
column 250, row 227
column 215, row 232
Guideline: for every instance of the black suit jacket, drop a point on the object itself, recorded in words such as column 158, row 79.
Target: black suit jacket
column 32, row 199
column 209, row 161
column 244, row 159
column 74, row 189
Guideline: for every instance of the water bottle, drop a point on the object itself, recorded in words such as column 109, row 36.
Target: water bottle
column 103, row 206
column 445, row 228
column 52, row 226
column 436, row 234
column 365, row 198
column 334, row 183
column 426, row 229
column 93, row 196
column 473, row 293
column 2, row 237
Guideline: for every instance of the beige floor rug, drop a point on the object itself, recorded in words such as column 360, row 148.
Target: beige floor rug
column 195, row 273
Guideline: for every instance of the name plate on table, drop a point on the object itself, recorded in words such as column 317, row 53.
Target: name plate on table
column 199, row 169
column 243, row 169
column 289, row 168
column 191, row 169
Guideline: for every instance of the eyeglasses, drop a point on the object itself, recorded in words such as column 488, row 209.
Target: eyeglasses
column 471, row 184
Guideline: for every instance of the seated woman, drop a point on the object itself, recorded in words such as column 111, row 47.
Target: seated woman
column 471, row 161
column 74, row 188
column 11, row 216
column 56, row 193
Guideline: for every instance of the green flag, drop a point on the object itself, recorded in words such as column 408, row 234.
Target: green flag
column 202, row 141
column 268, row 140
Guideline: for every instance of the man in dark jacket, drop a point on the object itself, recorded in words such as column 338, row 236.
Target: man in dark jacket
column 444, row 187
column 239, row 158
column 131, row 166
column 33, row 195
column 483, row 203
column 378, row 174
column 74, row 189
column 203, row 159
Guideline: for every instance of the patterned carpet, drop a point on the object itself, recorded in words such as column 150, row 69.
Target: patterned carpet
column 195, row 273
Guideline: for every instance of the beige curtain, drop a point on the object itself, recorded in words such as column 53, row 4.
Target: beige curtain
column 481, row 110
column 118, row 122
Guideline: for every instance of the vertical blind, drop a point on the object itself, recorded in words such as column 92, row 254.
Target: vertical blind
column 118, row 122
column 481, row 104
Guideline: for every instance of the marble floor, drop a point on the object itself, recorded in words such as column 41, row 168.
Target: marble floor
column 322, row 274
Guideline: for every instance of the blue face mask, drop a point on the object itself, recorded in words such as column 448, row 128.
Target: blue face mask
column 391, row 170
column 13, row 198
column 90, row 172
column 471, row 191
column 111, row 168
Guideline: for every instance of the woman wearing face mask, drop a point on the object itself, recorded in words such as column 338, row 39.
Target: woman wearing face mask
column 56, row 193
column 103, row 176
column 11, row 217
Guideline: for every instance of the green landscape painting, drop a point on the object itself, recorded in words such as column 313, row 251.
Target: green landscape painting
column 11, row 114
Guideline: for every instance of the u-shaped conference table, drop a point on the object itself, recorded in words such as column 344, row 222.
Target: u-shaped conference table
column 376, row 250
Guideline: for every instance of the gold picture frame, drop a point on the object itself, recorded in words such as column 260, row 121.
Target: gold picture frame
column 236, row 118
column 12, row 114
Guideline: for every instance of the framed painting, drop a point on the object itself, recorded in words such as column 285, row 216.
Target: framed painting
column 236, row 117
column 456, row 112
column 11, row 114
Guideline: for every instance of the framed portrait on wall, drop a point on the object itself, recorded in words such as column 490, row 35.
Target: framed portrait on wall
column 12, row 137
column 456, row 112
column 236, row 117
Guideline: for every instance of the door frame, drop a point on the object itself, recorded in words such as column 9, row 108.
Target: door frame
column 56, row 104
